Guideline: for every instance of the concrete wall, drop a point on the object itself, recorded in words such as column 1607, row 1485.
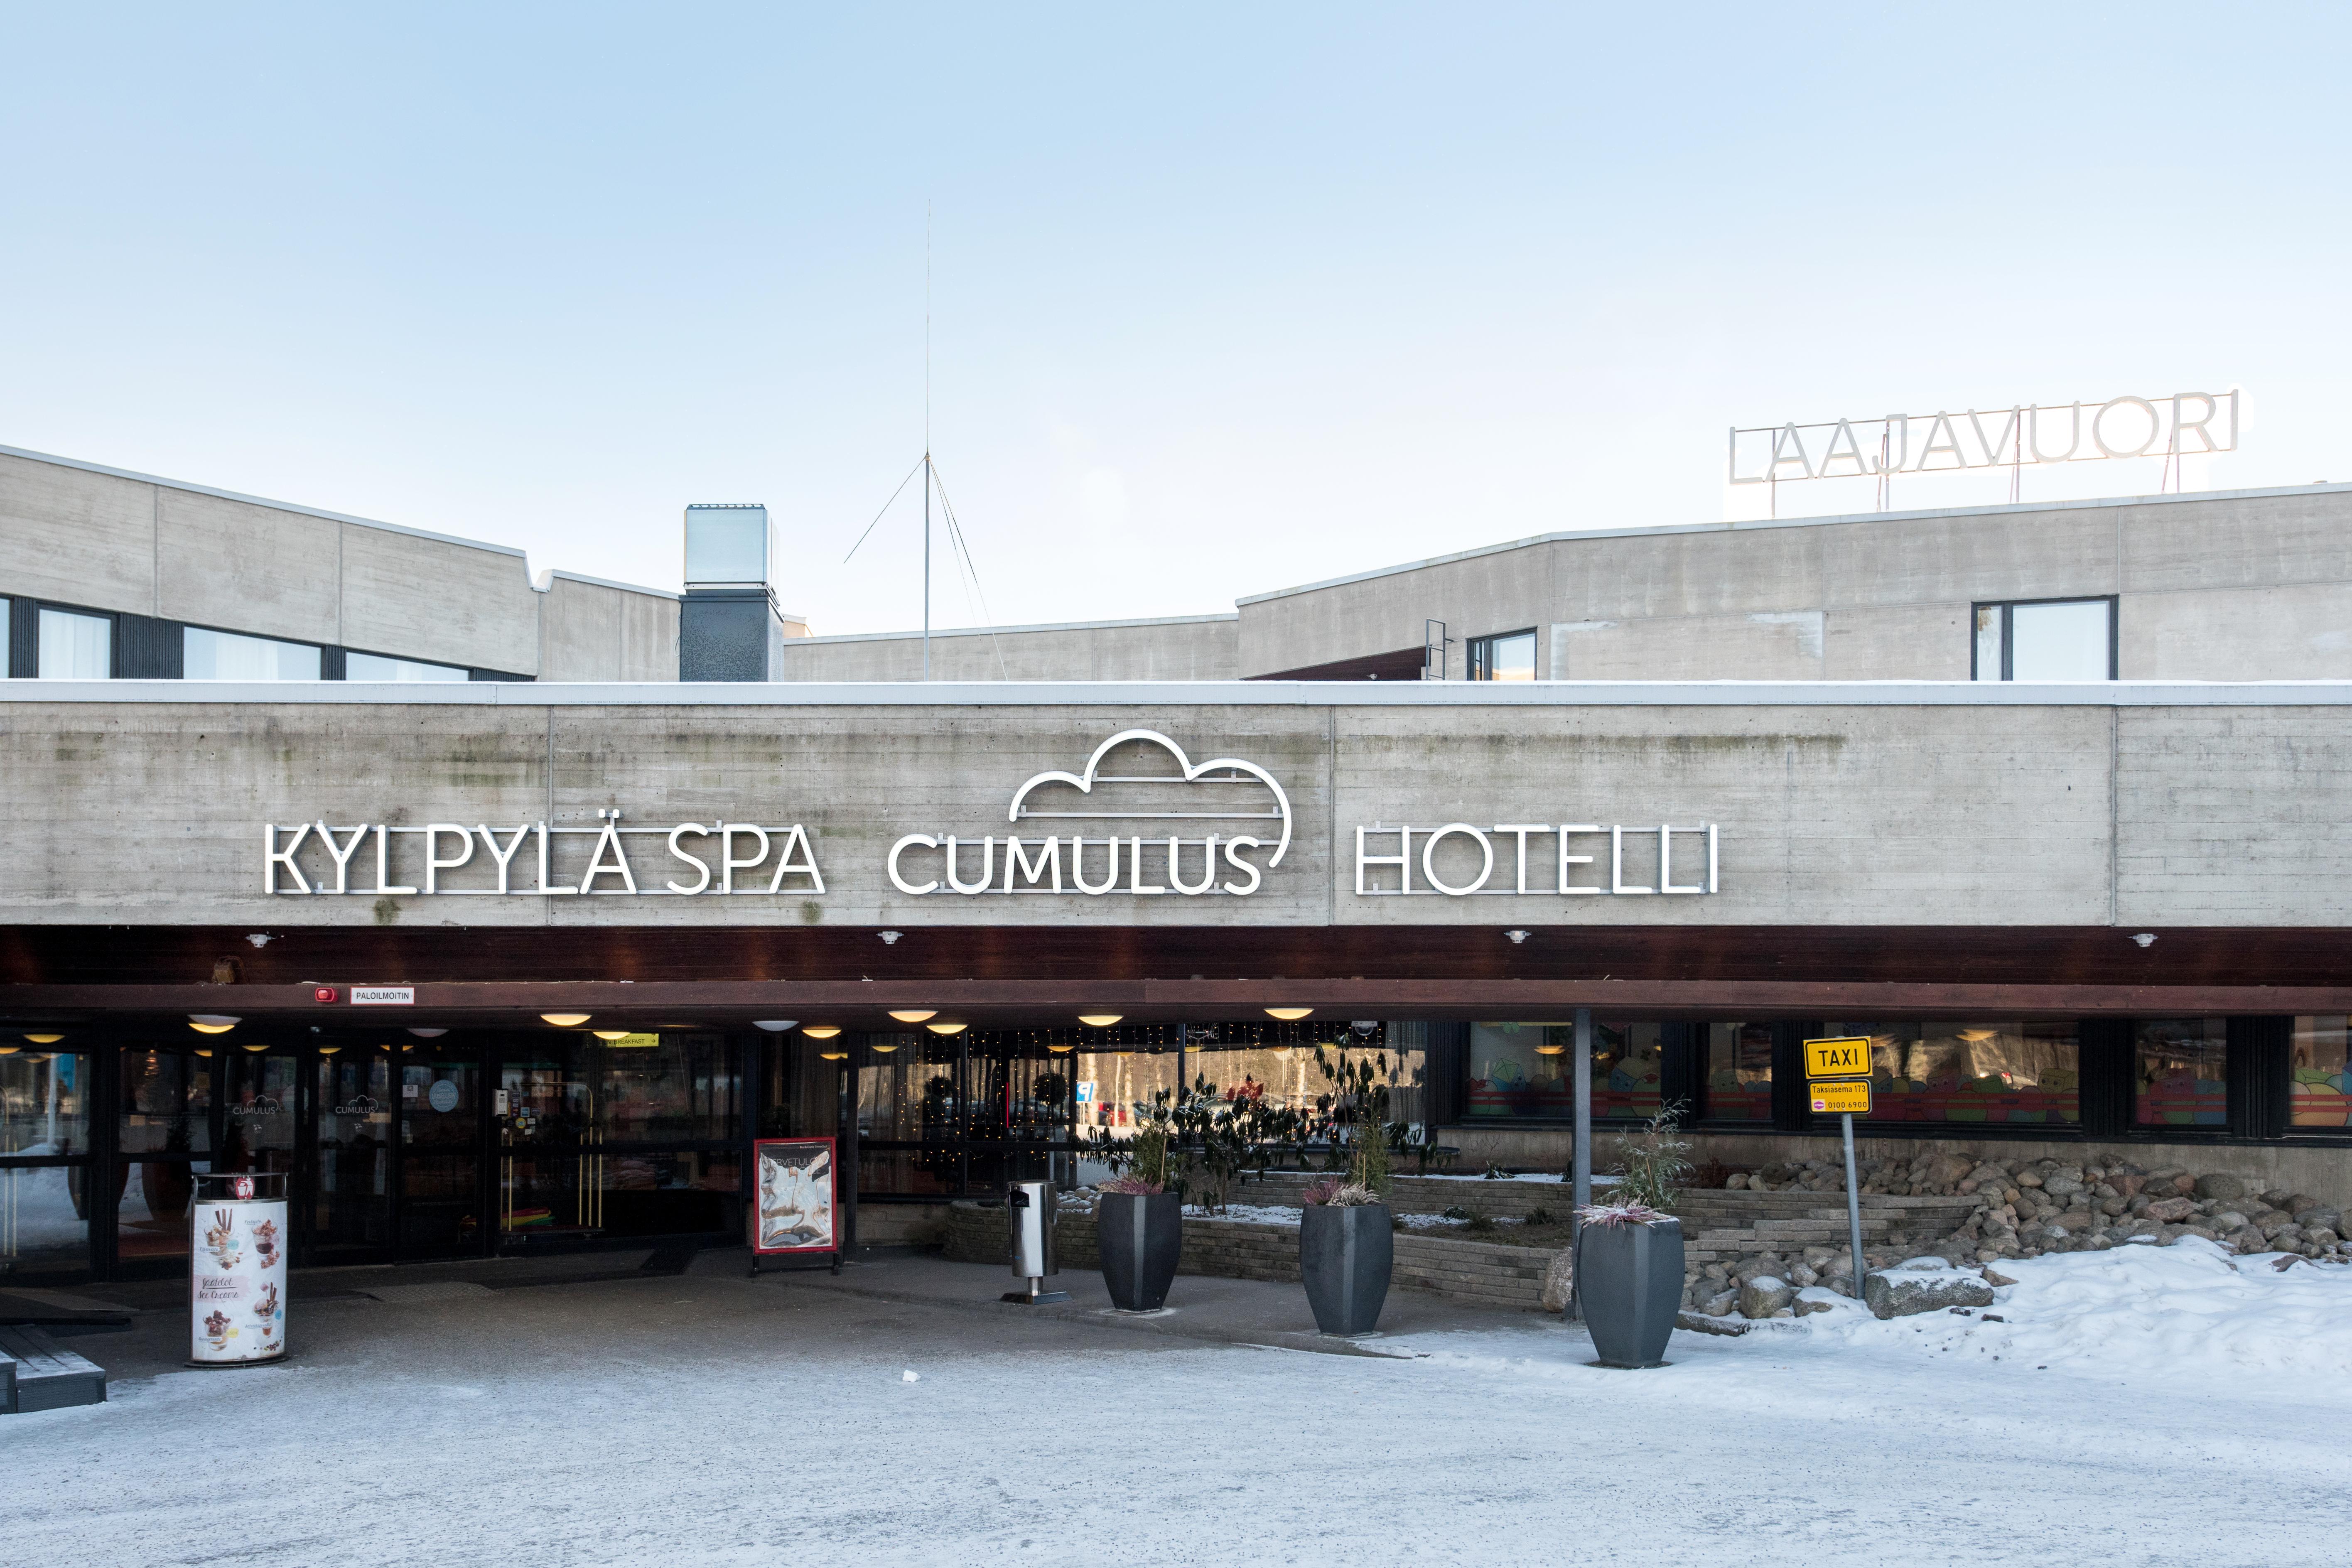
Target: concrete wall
column 2224, row 586
column 77, row 534
column 1184, row 647
column 1834, row 806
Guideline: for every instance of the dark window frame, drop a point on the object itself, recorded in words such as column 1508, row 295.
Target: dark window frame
column 1481, row 652
column 2009, row 637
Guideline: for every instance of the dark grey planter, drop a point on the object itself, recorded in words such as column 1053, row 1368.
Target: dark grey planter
column 1344, row 1255
column 1629, row 1283
column 1139, row 1238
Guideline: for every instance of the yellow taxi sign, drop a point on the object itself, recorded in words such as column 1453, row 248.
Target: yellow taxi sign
column 1849, row 1098
column 1844, row 1057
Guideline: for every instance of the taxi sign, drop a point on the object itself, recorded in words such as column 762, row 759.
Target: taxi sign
column 1850, row 1097
column 1844, row 1057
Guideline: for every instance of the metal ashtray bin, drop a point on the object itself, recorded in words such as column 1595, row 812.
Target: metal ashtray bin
column 236, row 1270
column 1029, row 1216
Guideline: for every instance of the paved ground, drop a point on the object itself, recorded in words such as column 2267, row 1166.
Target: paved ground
column 707, row 1418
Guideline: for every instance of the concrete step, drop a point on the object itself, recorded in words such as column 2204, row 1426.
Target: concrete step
column 38, row 1374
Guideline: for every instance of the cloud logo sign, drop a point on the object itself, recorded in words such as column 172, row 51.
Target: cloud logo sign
column 1140, row 788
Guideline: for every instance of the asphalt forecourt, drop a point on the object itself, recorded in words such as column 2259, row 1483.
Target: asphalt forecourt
column 903, row 1413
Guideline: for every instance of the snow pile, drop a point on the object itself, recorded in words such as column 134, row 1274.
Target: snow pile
column 2191, row 1312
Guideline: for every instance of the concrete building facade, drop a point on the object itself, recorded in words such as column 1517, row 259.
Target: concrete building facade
column 500, row 963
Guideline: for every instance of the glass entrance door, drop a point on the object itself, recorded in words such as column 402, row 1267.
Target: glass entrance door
column 348, row 1217
column 440, row 1118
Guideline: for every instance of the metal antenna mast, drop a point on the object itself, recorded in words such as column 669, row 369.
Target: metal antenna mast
column 927, row 440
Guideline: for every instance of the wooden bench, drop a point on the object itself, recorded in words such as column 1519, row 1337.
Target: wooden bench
column 37, row 1373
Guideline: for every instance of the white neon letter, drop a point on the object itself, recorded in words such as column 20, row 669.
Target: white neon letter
column 1428, row 860
column 1078, row 868
column 1234, row 858
column 1566, row 859
column 1049, row 859
column 891, row 865
column 1207, row 870
column 702, row 866
column 434, row 864
column 274, row 857
column 804, row 867
column 987, row 866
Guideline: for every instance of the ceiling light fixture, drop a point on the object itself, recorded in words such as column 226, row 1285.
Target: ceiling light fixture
column 44, row 1039
column 821, row 1031
column 946, row 1028
column 610, row 1034
column 428, row 1033
column 213, row 1023
column 1516, row 937
column 329, row 1050
column 1061, row 1050
column 1288, row 1015
column 2145, row 939
column 565, row 1020
column 888, row 937
column 257, row 1049
column 1099, row 1020
column 774, row 1026
column 914, row 1014
column 834, row 1056
column 879, row 1049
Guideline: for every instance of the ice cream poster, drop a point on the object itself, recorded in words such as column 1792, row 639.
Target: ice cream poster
column 793, row 1208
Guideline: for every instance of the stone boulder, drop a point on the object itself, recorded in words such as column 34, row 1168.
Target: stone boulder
column 2220, row 1184
column 1765, row 1295
column 2169, row 1211
column 1902, row 1295
column 1558, row 1280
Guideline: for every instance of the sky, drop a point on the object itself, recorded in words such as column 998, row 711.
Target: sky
column 1219, row 300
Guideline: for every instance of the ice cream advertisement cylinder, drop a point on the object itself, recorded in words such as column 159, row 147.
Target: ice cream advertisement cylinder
column 236, row 1270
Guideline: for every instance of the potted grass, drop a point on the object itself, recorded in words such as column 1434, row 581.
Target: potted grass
column 1138, row 1222
column 1347, row 1241
column 1628, row 1257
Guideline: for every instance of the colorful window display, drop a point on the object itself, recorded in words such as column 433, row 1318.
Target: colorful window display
column 1522, row 1070
column 2180, row 1072
column 2320, row 1059
column 1738, row 1072
column 1973, row 1071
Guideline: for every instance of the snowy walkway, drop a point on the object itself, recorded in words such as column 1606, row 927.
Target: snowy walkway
column 705, row 1419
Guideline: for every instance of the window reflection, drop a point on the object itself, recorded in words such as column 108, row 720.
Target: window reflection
column 1739, row 1072
column 1980, row 1070
column 1523, row 1070
column 167, row 1098
column 2321, row 1063
column 2180, row 1072
column 42, row 1112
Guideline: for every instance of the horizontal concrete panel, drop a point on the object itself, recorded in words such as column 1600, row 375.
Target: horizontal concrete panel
column 2242, row 542
column 416, row 598
column 1186, row 649
column 2295, row 632
column 244, row 567
column 1899, row 642
column 1680, row 574
column 591, row 631
column 77, row 537
column 2060, row 553
column 1767, row 645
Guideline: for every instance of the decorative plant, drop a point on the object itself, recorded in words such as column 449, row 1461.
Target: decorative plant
column 1652, row 1163
column 1198, row 1142
column 1360, row 1111
column 1332, row 1193
column 1050, row 1088
column 1128, row 1186
column 1618, row 1214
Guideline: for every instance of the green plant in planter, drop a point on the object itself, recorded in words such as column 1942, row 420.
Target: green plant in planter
column 1652, row 1163
column 1360, row 1107
column 1197, row 1143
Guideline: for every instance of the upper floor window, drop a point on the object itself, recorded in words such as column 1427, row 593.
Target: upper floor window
column 76, row 646
column 224, row 656
column 2046, row 639
column 1511, row 656
column 376, row 667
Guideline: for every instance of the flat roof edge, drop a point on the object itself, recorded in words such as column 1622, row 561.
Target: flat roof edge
column 548, row 577
column 16, row 695
column 258, row 501
column 1573, row 535
column 1008, row 631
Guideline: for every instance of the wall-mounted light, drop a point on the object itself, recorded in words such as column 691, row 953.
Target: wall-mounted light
column 914, row 1014
column 821, row 1031
column 2146, row 938
column 946, row 1028
column 565, row 1020
column 213, row 1023
column 1099, row 1020
column 428, row 1033
column 1288, row 1015
column 889, row 937
column 774, row 1026
column 44, row 1039
column 1516, row 937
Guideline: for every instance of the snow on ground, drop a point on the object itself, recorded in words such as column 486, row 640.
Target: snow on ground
column 2141, row 1406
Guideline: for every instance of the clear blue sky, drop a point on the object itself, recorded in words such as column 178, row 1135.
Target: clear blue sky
column 1224, row 300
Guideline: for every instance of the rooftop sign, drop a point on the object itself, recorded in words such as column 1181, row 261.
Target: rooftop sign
column 2025, row 435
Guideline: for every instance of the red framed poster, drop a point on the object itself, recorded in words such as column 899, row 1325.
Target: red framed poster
column 795, row 1190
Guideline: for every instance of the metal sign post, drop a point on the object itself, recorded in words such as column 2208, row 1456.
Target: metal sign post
column 1830, row 1066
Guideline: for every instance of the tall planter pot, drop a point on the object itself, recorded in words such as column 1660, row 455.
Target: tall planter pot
column 1628, row 1281
column 1139, row 1238
column 1345, row 1255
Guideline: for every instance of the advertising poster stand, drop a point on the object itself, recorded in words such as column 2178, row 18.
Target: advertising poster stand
column 236, row 1270
column 796, row 1201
